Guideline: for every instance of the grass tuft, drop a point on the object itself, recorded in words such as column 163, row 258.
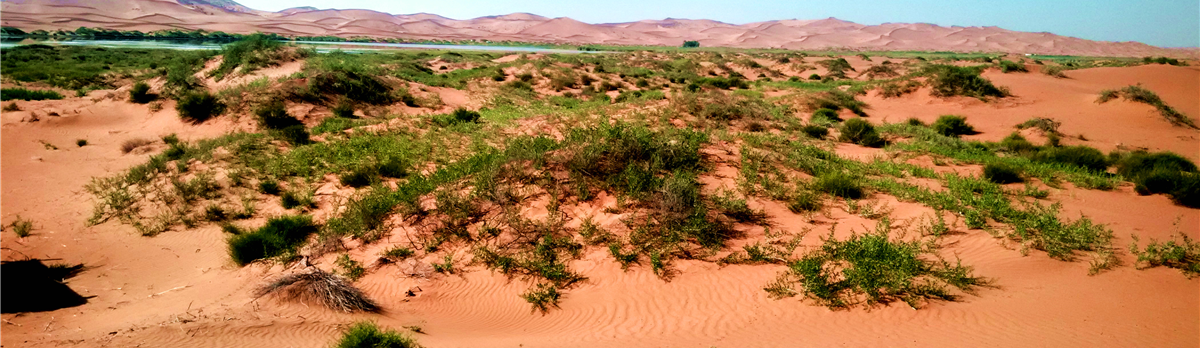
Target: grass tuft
column 368, row 335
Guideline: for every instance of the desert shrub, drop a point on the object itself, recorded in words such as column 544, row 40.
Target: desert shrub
column 296, row 199
column 367, row 335
column 639, row 95
column 281, row 235
column 398, row 253
column 350, row 82
column 1181, row 253
column 1141, row 95
column 131, row 144
column 296, row 135
column 21, row 227
column 949, row 80
column 873, row 269
column 393, row 167
column 344, row 109
column 1001, row 173
column 1163, row 60
column 895, row 89
column 268, row 186
column 1056, row 71
column 815, row 131
column 916, row 122
column 197, row 107
column 878, row 71
column 81, row 142
column 273, row 115
column 953, row 126
column 718, row 106
column 18, row 93
column 859, row 131
column 11, row 106
column 1015, row 143
column 825, row 115
column 458, row 116
column 1162, row 172
column 140, row 93
column 349, row 268
column 1081, row 156
column 804, row 201
column 835, row 100
column 814, row 77
column 359, row 176
column 1007, row 66
column 840, row 184
column 315, row 285
column 1046, row 125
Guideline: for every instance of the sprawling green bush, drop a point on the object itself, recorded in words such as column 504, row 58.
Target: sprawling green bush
column 197, row 107
column 953, row 126
column 1081, row 156
column 859, row 131
column 1001, row 173
column 140, row 93
column 949, row 80
column 367, row 335
column 281, row 235
column 18, row 93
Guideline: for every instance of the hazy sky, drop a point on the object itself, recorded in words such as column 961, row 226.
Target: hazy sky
column 1171, row 23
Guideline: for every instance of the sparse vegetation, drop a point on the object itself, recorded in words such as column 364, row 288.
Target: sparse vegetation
column 1141, row 95
column 1180, row 252
column 280, row 236
column 21, row 227
column 949, row 80
column 197, row 107
column 18, row 93
column 368, row 335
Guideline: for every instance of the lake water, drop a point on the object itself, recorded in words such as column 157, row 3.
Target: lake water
column 320, row 46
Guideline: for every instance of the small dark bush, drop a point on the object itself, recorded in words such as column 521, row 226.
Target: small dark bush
column 1162, row 172
column 359, row 176
column 344, row 109
column 913, row 121
column 197, row 107
column 859, row 131
column 814, row 77
column 268, row 186
column 393, row 167
column 273, row 115
column 295, row 135
column 140, row 93
column 1081, row 156
column 279, row 236
column 1001, row 173
column 81, row 142
column 815, row 131
column 953, row 126
column 1015, row 143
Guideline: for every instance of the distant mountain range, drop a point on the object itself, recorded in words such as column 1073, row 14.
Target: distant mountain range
column 829, row 33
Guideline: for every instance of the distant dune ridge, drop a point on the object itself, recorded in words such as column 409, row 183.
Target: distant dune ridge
column 830, row 33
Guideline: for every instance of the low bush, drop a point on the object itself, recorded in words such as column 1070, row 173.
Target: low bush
column 367, row 335
column 273, row 115
column 949, row 80
column 458, row 116
column 815, row 131
column 296, row 135
column 835, row 100
column 281, row 235
column 1017, row 144
column 1162, row 172
column 11, row 106
column 343, row 109
column 1181, row 253
column 1007, row 66
column 18, row 93
column 140, row 93
column 840, row 184
column 1001, row 173
column 873, row 269
column 1081, row 156
column 825, row 115
column 953, row 126
column 1056, row 71
column 859, row 131
column 1141, row 95
column 268, row 186
column 197, row 107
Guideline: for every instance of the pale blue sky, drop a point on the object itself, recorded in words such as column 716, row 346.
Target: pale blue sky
column 1171, row 23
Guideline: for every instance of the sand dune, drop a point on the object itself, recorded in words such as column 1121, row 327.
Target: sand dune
column 792, row 34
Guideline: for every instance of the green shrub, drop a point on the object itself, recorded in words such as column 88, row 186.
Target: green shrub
column 835, row 100
column 251, row 52
column 1081, row 156
column 367, row 335
column 825, row 114
column 953, row 126
column 1141, row 95
column 296, row 135
column 1015, row 143
column 296, row 199
column 815, row 131
column 344, row 109
column 949, row 80
column 81, row 142
column 1162, row 172
column 18, row 93
column 11, row 106
column 873, row 269
column 349, row 268
column 273, row 115
column 814, row 77
column 913, row 121
column 350, row 82
column 1056, row 71
column 281, row 235
column 197, row 107
column 1007, row 66
column 268, row 186
column 140, row 93
column 393, row 167
column 859, row 131
column 1001, row 173
column 840, row 184
column 1179, row 253
column 21, row 227
column 359, row 176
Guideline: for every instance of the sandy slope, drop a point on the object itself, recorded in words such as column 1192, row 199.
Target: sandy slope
column 148, row 15
column 180, row 289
